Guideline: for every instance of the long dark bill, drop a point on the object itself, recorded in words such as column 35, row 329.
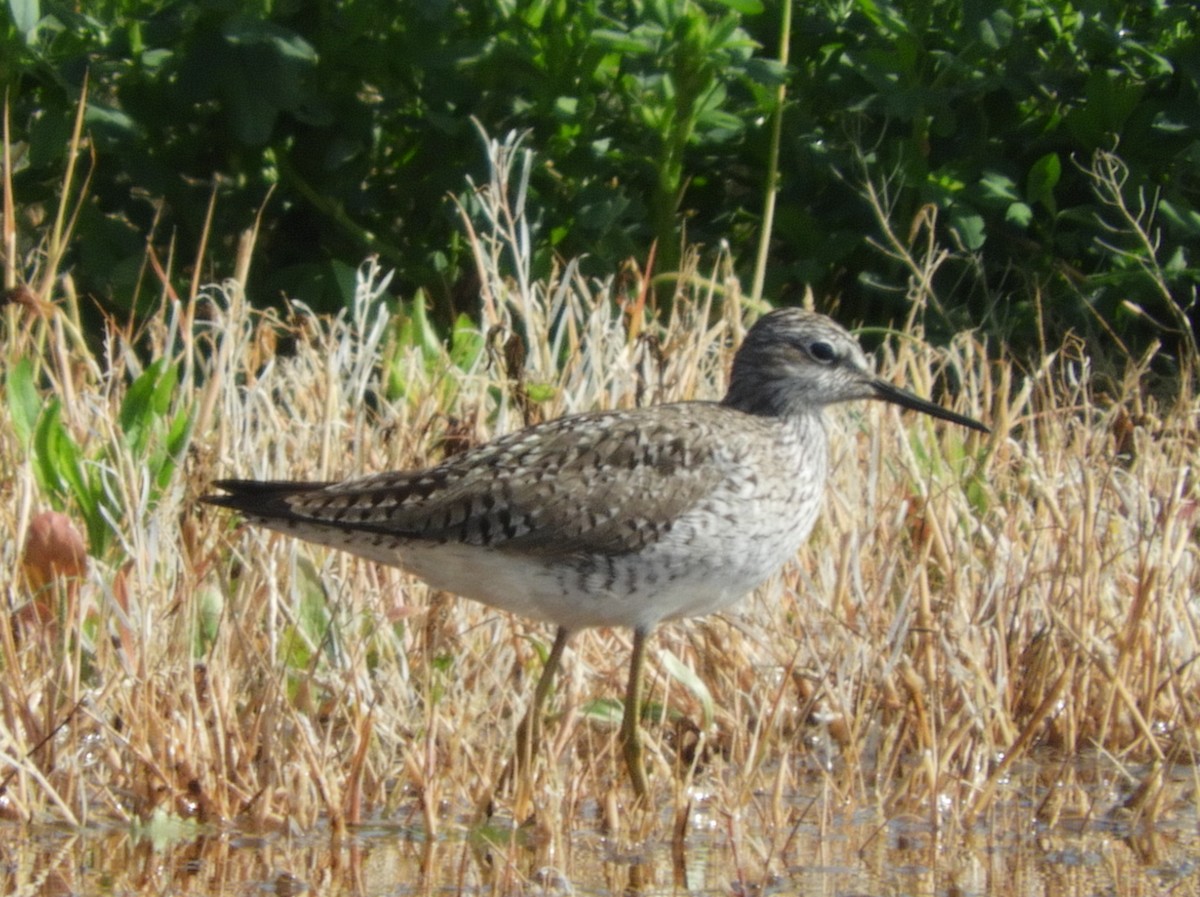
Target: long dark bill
column 905, row 399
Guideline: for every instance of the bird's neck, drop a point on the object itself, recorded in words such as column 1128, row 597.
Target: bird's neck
column 769, row 397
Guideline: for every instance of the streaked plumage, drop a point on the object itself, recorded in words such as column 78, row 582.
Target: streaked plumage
column 621, row 518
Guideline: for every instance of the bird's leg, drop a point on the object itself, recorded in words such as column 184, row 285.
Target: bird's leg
column 527, row 732
column 631, row 739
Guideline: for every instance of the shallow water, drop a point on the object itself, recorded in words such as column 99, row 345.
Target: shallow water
column 820, row 853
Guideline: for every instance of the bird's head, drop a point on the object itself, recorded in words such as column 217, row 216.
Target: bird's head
column 796, row 362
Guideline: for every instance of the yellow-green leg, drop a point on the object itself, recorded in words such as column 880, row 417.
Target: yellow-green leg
column 631, row 738
column 528, row 731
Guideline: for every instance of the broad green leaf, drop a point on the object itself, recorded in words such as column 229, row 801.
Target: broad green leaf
column 870, row 10
column 24, row 403
column 466, row 343
column 1019, row 214
column 269, row 37
column 1043, row 178
column 998, row 186
column 55, row 455
column 346, row 278
column 996, row 31
column 147, row 402
column 112, row 122
column 176, row 441
column 64, row 473
column 1180, row 216
column 970, row 228
column 1178, row 262
column 25, row 16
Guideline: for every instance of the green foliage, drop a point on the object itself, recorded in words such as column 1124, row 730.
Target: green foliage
column 466, row 343
column 415, row 331
column 362, row 117
column 64, row 472
column 993, row 114
column 24, row 403
column 314, row 637
column 609, row 711
column 152, row 435
column 678, row 64
column 646, row 116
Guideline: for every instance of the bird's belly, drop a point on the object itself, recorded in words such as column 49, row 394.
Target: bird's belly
column 629, row 590
column 703, row 565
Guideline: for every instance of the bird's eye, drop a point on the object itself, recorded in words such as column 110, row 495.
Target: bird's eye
column 823, row 352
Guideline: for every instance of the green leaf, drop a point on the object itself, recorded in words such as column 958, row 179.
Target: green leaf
column 268, row 37
column 113, row 123
column 1019, row 214
column 541, row 392
column 26, row 14
column 55, row 455
column 346, row 278
column 314, row 601
column 970, row 228
column 417, row 331
column 178, row 437
column 24, row 403
column 623, row 42
column 147, row 401
column 1043, row 178
column 604, row 710
column 466, row 343
column 871, row 11
column 996, row 31
column 312, row 618
column 63, row 472
column 180, row 432
column 745, row 7
column 1180, row 216
column 998, row 186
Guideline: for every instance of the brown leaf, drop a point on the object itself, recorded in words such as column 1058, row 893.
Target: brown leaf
column 54, row 549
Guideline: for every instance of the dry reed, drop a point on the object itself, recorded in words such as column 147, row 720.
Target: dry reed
column 969, row 612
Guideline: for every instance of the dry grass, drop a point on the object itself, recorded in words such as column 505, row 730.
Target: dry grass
column 968, row 609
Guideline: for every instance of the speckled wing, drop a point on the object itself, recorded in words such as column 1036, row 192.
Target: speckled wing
column 604, row 484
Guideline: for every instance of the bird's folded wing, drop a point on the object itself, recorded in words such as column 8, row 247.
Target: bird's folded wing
column 591, row 484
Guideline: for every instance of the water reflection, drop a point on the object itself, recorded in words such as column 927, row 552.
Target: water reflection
column 697, row 849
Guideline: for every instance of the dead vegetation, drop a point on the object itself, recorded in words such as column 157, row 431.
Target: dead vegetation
column 969, row 613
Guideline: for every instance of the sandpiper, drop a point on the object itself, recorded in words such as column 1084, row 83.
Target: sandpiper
column 613, row 518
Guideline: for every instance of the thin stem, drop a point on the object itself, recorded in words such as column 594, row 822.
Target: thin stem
column 772, row 190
